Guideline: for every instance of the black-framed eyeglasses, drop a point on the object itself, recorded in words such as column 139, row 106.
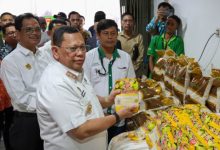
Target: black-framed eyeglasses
column 81, row 48
column 11, row 33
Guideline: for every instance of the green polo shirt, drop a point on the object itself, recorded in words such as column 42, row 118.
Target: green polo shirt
column 158, row 42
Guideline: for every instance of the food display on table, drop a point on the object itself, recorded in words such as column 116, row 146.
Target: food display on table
column 185, row 119
column 213, row 102
column 188, row 127
column 191, row 126
column 145, row 94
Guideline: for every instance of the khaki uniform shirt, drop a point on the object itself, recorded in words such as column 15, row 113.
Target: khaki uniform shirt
column 127, row 44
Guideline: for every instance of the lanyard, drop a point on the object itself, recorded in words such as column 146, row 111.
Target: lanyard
column 103, row 67
column 165, row 43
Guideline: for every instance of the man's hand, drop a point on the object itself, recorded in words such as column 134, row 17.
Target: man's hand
column 112, row 95
column 127, row 112
column 161, row 15
column 109, row 100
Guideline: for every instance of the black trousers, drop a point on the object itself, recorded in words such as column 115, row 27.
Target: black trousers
column 25, row 132
column 6, row 117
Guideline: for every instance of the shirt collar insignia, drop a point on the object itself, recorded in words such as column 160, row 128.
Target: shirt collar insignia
column 28, row 66
column 71, row 75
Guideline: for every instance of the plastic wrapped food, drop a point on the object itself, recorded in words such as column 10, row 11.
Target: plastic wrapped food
column 160, row 66
column 198, row 90
column 127, row 100
column 127, row 85
column 185, row 69
column 188, row 127
column 213, row 102
column 158, row 102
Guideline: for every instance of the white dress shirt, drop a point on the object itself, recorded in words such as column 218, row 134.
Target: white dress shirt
column 21, row 71
column 47, row 50
column 63, row 99
column 122, row 68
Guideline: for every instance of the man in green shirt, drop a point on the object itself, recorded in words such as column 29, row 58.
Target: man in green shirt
column 166, row 41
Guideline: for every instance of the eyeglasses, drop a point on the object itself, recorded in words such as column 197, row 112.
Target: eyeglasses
column 10, row 33
column 31, row 30
column 81, row 48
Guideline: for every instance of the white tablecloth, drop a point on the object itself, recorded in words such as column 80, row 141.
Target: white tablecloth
column 121, row 142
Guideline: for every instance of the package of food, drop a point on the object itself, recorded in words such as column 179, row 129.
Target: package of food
column 137, row 121
column 185, row 67
column 149, row 88
column 213, row 102
column 127, row 85
column 161, row 102
column 127, row 100
column 158, row 71
column 179, row 78
column 159, row 67
column 188, row 128
column 170, row 69
column 198, row 91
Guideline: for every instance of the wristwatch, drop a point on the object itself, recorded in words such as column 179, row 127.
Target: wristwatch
column 116, row 117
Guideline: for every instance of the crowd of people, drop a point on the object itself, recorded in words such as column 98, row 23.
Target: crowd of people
column 57, row 81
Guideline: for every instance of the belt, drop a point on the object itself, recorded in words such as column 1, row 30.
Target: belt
column 24, row 114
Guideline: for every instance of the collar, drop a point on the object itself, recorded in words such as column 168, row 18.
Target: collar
column 125, row 36
column 7, row 46
column 75, row 75
column 172, row 38
column 102, row 53
column 26, row 51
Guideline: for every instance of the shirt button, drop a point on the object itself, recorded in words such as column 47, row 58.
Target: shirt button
column 110, row 75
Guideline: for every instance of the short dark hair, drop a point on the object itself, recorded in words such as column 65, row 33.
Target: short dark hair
column 73, row 13
column 105, row 24
column 58, row 34
column 176, row 18
column 19, row 19
column 56, row 21
column 81, row 16
column 6, row 13
column 165, row 4
column 99, row 15
column 60, row 15
column 6, row 26
column 127, row 14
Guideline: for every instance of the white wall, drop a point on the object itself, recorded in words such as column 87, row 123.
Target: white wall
column 200, row 19
column 87, row 8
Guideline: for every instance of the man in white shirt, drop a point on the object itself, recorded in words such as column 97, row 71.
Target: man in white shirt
column 20, row 72
column 53, row 25
column 106, row 64
column 69, row 112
